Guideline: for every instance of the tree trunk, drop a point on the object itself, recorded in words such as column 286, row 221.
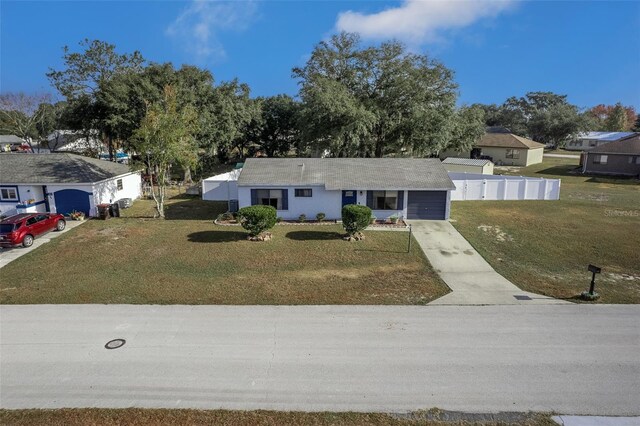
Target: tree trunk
column 110, row 143
column 187, row 180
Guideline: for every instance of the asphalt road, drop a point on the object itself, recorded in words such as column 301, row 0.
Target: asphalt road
column 571, row 359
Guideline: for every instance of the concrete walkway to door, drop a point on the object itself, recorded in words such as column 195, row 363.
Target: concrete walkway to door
column 471, row 279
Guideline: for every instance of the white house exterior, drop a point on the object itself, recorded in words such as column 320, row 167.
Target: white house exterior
column 409, row 187
column 62, row 183
column 222, row 187
column 468, row 165
column 74, row 141
column 590, row 140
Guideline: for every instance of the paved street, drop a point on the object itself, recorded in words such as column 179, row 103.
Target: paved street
column 572, row 359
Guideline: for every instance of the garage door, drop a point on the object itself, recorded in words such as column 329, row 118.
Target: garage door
column 68, row 200
column 427, row 205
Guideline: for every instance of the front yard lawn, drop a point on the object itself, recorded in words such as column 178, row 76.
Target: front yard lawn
column 545, row 246
column 140, row 417
column 186, row 259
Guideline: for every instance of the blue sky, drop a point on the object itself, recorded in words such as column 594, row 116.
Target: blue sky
column 587, row 50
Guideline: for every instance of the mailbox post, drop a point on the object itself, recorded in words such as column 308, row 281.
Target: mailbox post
column 409, row 245
column 594, row 270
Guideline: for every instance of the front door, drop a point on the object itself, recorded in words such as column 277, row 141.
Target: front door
column 348, row 197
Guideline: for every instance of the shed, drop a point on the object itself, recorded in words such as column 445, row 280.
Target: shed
column 468, row 165
column 222, row 187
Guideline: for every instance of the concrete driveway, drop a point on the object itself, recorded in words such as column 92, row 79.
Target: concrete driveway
column 472, row 280
column 8, row 255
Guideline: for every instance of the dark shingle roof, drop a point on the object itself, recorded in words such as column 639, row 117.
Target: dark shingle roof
column 507, row 140
column 56, row 168
column 465, row 161
column 347, row 173
column 625, row 146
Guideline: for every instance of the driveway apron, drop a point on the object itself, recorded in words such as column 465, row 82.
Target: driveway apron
column 471, row 279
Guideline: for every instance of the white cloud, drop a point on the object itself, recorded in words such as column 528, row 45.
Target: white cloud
column 198, row 25
column 420, row 21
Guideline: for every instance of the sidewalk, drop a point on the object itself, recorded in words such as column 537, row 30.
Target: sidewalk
column 472, row 280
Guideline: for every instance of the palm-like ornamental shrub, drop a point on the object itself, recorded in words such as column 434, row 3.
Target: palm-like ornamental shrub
column 355, row 218
column 257, row 219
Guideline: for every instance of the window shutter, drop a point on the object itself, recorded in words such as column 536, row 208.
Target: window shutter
column 400, row 200
column 254, row 197
column 370, row 199
column 285, row 199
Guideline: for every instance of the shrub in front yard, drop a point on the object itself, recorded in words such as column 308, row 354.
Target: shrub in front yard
column 355, row 218
column 302, row 218
column 320, row 217
column 257, row 219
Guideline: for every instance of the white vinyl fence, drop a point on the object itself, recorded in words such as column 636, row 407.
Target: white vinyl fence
column 495, row 187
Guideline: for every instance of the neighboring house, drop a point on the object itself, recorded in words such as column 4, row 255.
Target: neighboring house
column 590, row 140
column 414, row 188
column 468, row 165
column 621, row 157
column 13, row 143
column 75, row 142
column 503, row 148
column 62, row 183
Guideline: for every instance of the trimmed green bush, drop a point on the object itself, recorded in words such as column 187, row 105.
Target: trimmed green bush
column 320, row 217
column 302, row 218
column 355, row 218
column 257, row 219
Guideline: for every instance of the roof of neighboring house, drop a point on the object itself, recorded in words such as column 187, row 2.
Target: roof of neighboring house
column 56, row 168
column 606, row 136
column 347, row 173
column 497, row 129
column 631, row 146
column 465, row 161
column 11, row 139
column 507, row 140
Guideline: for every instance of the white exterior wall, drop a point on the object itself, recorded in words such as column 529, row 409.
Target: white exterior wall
column 321, row 201
column 382, row 214
column 25, row 192
column 474, row 187
column 107, row 190
column 219, row 190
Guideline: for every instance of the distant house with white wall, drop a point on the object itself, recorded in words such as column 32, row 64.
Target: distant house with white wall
column 414, row 188
column 76, row 142
column 590, row 140
column 503, row 149
column 62, row 183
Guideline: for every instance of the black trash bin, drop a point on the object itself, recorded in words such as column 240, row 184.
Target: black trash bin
column 114, row 210
column 103, row 211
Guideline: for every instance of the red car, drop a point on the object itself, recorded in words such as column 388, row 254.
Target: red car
column 24, row 228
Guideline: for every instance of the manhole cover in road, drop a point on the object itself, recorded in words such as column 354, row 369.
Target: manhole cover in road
column 523, row 297
column 115, row 343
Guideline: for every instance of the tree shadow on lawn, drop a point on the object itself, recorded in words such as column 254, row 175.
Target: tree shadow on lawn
column 217, row 236
column 567, row 170
column 313, row 235
column 194, row 209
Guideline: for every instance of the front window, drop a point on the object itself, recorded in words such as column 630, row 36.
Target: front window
column 119, row 184
column 513, row 153
column 385, row 200
column 634, row 160
column 270, row 197
column 8, row 194
column 600, row 159
column 593, row 143
column 303, row 192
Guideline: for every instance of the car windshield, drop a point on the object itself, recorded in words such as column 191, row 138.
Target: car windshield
column 5, row 228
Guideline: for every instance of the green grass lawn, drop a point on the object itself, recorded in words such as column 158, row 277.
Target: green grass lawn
column 186, row 259
column 545, row 246
column 140, row 417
